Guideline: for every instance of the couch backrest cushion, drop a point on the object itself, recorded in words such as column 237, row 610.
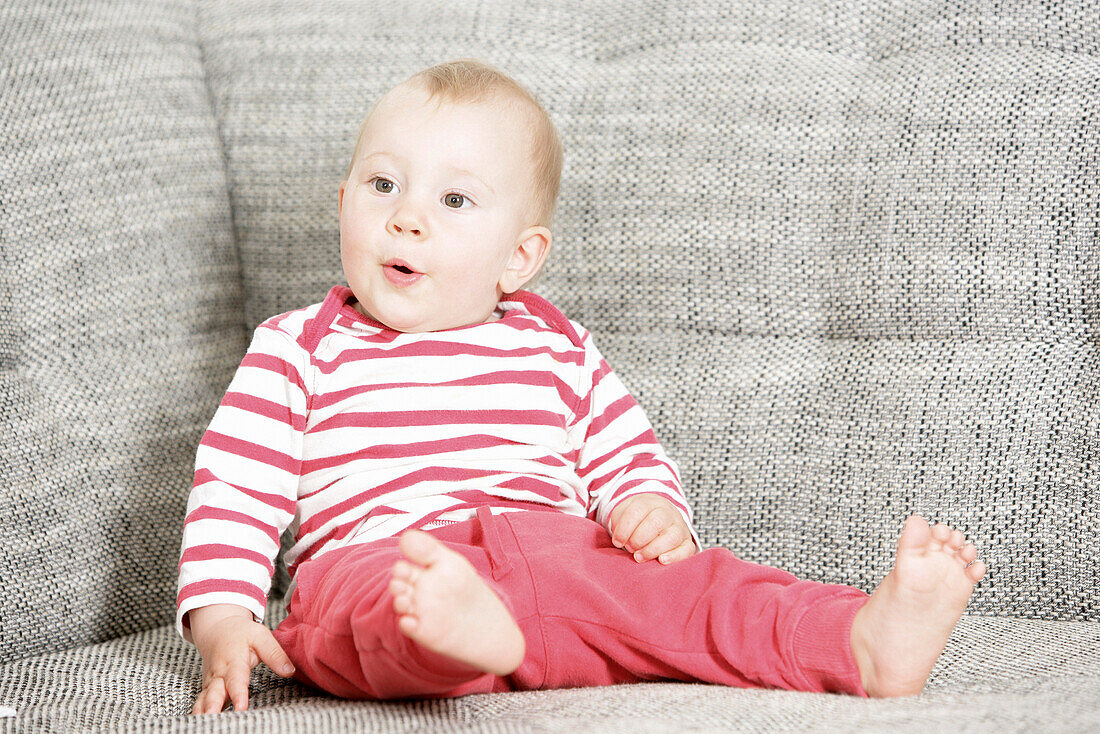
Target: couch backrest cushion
column 844, row 254
column 120, row 311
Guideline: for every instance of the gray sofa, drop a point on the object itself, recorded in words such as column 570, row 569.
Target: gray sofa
column 844, row 254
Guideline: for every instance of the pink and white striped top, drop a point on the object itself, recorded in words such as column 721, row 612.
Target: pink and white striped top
column 346, row 432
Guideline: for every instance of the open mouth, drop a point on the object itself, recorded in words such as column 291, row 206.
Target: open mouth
column 400, row 266
column 400, row 273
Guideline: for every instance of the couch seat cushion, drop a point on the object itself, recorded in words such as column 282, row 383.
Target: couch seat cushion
column 1007, row 674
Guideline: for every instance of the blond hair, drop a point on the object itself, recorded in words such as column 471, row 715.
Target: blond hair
column 469, row 80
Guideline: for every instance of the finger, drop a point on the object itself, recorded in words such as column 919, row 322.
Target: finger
column 273, row 655
column 213, row 697
column 617, row 513
column 624, row 526
column 652, row 525
column 669, row 538
column 238, row 688
column 683, row 551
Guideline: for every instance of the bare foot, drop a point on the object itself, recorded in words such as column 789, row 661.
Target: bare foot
column 444, row 605
column 901, row 632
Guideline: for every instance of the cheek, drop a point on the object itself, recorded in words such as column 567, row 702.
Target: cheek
column 497, row 242
column 348, row 252
column 355, row 230
column 354, row 251
column 489, row 266
column 472, row 281
column 359, row 213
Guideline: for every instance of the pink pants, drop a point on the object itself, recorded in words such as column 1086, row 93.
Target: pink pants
column 589, row 613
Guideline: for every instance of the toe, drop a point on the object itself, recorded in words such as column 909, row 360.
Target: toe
column 399, row 587
column 402, row 603
column 404, row 571
column 420, row 547
column 957, row 540
column 915, row 533
column 968, row 553
column 408, row 624
column 976, row 571
column 941, row 532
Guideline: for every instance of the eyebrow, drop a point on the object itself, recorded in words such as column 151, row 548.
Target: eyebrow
column 471, row 174
column 459, row 171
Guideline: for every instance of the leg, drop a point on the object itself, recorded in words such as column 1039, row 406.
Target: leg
column 718, row 619
column 713, row 618
column 343, row 633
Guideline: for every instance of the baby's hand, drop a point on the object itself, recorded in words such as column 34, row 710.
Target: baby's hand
column 650, row 526
column 231, row 643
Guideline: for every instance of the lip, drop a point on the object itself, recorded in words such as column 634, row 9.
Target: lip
column 398, row 278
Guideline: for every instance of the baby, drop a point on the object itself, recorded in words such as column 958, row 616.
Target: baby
column 477, row 502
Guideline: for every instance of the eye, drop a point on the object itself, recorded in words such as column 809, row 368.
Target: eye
column 456, row 201
column 382, row 185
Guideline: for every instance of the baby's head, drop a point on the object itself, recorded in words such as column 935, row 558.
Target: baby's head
column 448, row 198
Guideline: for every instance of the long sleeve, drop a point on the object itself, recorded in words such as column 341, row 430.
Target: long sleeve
column 620, row 455
column 247, row 470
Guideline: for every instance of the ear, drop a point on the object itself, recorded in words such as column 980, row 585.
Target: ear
column 528, row 255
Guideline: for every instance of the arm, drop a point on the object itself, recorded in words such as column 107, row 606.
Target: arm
column 244, row 496
column 245, row 488
column 620, row 459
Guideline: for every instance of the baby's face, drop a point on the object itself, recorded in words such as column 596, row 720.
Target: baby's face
column 433, row 211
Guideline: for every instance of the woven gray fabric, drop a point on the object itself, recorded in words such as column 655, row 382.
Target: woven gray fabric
column 846, row 260
column 121, row 323
column 995, row 675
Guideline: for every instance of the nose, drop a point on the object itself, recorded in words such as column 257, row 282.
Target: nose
column 405, row 221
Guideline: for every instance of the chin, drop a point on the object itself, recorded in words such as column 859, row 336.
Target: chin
column 407, row 325
column 414, row 325
column 398, row 325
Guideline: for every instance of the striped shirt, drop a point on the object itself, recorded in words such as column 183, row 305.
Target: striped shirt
column 346, row 431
